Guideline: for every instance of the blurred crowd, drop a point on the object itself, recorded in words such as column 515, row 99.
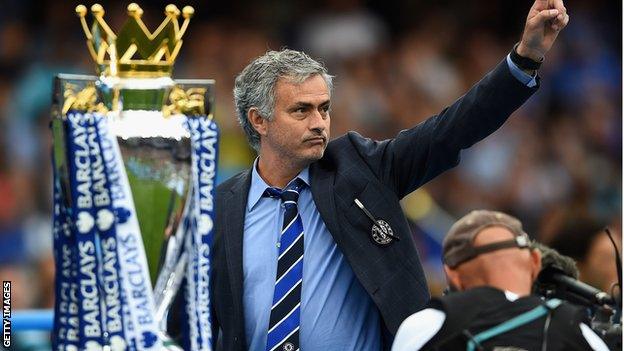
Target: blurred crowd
column 557, row 160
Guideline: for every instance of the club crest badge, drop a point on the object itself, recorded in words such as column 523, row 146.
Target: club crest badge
column 382, row 232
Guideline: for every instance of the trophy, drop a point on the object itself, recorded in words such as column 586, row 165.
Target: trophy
column 134, row 163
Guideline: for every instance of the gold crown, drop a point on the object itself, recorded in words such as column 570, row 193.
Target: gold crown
column 135, row 52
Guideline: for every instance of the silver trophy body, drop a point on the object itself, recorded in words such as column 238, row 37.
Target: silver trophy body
column 156, row 152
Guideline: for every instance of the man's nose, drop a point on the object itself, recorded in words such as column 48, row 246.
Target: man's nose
column 317, row 122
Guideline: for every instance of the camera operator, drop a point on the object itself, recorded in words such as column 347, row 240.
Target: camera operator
column 489, row 260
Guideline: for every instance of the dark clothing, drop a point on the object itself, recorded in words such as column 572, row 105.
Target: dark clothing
column 379, row 174
column 473, row 311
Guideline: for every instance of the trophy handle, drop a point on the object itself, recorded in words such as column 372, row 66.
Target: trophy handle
column 192, row 97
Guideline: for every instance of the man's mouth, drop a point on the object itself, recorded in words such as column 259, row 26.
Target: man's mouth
column 318, row 139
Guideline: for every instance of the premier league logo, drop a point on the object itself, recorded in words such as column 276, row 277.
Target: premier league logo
column 135, row 160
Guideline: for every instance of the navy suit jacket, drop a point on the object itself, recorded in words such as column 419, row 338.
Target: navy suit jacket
column 379, row 174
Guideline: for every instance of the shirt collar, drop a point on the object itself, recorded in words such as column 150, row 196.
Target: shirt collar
column 511, row 296
column 258, row 185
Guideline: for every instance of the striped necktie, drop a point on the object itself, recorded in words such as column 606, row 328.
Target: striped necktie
column 283, row 334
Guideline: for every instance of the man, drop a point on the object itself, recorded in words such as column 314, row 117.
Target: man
column 488, row 257
column 354, row 275
column 585, row 240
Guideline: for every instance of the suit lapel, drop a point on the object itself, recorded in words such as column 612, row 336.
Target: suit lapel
column 322, row 184
column 233, row 238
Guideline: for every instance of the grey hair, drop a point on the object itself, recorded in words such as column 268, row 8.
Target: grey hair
column 255, row 85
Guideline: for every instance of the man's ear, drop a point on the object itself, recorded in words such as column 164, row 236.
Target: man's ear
column 453, row 278
column 258, row 122
column 536, row 263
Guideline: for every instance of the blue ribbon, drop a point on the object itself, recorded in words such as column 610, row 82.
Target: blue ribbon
column 139, row 327
column 65, row 323
column 109, row 269
column 204, row 157
column 90, row 333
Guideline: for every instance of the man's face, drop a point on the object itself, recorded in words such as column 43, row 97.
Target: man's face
column 597, row 269
column 299, row 129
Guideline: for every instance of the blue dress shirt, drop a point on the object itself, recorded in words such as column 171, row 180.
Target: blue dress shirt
column 336, row 312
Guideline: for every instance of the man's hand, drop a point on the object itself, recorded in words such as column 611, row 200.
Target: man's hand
column 546, row 18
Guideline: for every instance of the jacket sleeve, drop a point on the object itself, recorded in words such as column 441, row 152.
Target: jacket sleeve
column 419, row 154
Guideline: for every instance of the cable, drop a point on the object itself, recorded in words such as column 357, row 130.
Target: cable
column 618, row 267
